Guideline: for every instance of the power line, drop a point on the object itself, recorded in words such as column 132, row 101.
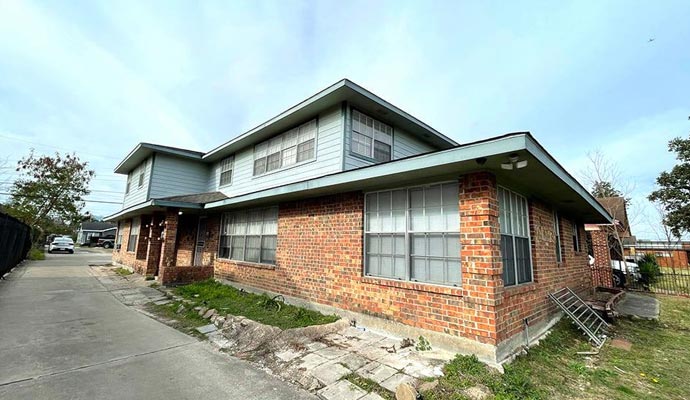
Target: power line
column 44, row 198
column 55, row 147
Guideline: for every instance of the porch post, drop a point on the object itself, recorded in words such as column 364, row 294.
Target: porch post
column 169, row 231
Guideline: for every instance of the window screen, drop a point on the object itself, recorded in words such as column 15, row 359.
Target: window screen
column 515, row 241
column 226, row 167
column 414, row 234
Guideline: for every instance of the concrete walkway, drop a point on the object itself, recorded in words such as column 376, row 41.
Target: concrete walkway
column 64, row 336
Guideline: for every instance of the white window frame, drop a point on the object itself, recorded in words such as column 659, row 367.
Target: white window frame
column 135, row 226
column 283, row 151
column 226, row 167
column 576, row 237
column 141, row 179
column 513, row 233
column 226, row 227
column 408, row 234
column 557, row 232
column 378, row 132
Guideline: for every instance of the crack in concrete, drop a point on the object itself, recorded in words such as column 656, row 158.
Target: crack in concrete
column 83, row 367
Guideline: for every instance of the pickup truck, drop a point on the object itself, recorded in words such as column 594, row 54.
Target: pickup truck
column 106, row 242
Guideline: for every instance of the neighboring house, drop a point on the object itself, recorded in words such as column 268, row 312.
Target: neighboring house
column 668, row 254
column 351, row 204
column 87, row 230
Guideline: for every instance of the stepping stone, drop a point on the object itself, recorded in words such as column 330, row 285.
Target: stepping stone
column 329, row 373
column 206, row 329
column 288, row 355
column 311, row 361
column 394, row 381
column 161, row 302
column 377, row 372
column 342, row 390
column 353, row 361
column 331, row 352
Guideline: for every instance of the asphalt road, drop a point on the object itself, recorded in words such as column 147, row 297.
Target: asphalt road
column 64, row 336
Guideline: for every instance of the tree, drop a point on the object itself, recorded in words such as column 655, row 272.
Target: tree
column 605, row 189
column 50, row 191
column 674, row 189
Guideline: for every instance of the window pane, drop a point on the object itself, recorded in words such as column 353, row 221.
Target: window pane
column 451, row 197
column 399, row 245
column 452, row 245
column 239, row 224
column 273, row 162
column 399, row 221
column 373, row 244
column 307, row 131
column 290, row 138
column 437, row 270
column 399, row 269
column 434, row 219
column 432, row 196
column 400, row 200
column 416, row 198
column 418, row 269
column 373, row 265
column 386, row 244
column 372, row 202
column 452, row 219
column 253, row 248
column 382, row 151
column 268, row 249
column 373, row 222
column 289, row 156
column 270, row 222
column 237, row 248
column 386, row 266
column 522, row 258
column 361, row 144
column 418, row 245
column 453, row 270
column 417, row 220
column 225, row 178
column 255, row 222
column 259, row 166
column 435, row 245
column 508, row 260
column 305, row 151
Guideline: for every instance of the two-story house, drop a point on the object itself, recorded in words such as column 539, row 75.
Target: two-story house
column 350, row 204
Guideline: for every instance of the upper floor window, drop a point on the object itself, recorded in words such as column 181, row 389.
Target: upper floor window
column 414, row 234
column 129, row 184
column 141, row 179
column 292, row 147
column 515, row 242
column 371, row 138
column 226, row 167
column 250, row 235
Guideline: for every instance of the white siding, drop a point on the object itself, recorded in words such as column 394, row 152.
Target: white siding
column 137, row 194
column 405, row 144
column 173, row 176
column 328, row 160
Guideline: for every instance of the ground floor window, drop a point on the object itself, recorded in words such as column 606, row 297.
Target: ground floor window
column 250, row 235
column 414, row 234
column 515, row 240
column 118, row 240
column 133, row 235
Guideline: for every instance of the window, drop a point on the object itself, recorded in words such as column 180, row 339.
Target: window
column 141, row 179
column 370, row 137
column 414, row 234
column 250, row 236
column 294, row 146
column 118, row 240
column 515, row 241
column 128, row 186
column 133, row 235
column 576, row 237
column 557, row 232
column 226, row 167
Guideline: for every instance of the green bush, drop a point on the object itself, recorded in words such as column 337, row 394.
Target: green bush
column 649, row 268
column 36, row 254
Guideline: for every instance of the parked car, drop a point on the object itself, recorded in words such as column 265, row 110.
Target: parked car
column 61, row 244
column 106, row 243
column 621, row 270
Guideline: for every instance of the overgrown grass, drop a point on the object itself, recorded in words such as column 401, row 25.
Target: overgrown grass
column 122, row 271
column 261, row 308
column 36, row 254
column 656, row 367
column 369, row 385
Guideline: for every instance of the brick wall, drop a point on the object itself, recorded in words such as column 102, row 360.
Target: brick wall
column 122, row 256
column 319, row 259
column 530, row 300
column 601, row 271
column 186, row 274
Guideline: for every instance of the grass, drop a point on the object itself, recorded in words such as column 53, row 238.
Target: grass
column 369, row 385
column 656, row 367
column 186, row 321
column 122, row 271
column 261, row 308
column 36, row 254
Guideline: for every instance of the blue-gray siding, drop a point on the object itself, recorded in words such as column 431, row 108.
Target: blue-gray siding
column 174, row 176
column 328, row 160
column 137, row 194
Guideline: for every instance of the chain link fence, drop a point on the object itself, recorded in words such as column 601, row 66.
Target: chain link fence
column 15, row 242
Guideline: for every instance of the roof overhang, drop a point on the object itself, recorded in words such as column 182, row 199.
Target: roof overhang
column 342, row 91
column 153, row 205
column 144, row 150
column 543, row 178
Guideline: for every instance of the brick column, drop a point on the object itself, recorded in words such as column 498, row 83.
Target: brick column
column 142, row 239
column 480, row 257
column 169, row 239
column 153, row 252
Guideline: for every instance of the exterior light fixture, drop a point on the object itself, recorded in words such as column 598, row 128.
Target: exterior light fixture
column 179, row 213
column 514, row 162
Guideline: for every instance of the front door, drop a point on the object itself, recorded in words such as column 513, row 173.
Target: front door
column 200, row 242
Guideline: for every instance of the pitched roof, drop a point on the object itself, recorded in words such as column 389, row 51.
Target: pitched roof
column 97, row 226
column 617, row 208
column 201, row 198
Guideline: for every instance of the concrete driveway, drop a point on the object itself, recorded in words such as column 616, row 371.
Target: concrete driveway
column 64, row 336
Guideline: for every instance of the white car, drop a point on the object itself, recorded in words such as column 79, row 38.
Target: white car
column 61, row 244
column 623, row 269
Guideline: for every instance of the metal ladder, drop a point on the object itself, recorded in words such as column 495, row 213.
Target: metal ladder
column 581, row 314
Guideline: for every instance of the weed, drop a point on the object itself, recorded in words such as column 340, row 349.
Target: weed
column 36, row 254
column 123, row 271
column 369, row 385
column 422, row 344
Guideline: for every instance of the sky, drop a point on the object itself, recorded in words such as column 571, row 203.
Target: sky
column 97, row 77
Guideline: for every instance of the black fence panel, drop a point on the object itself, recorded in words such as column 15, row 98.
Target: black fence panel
column 15, row 242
